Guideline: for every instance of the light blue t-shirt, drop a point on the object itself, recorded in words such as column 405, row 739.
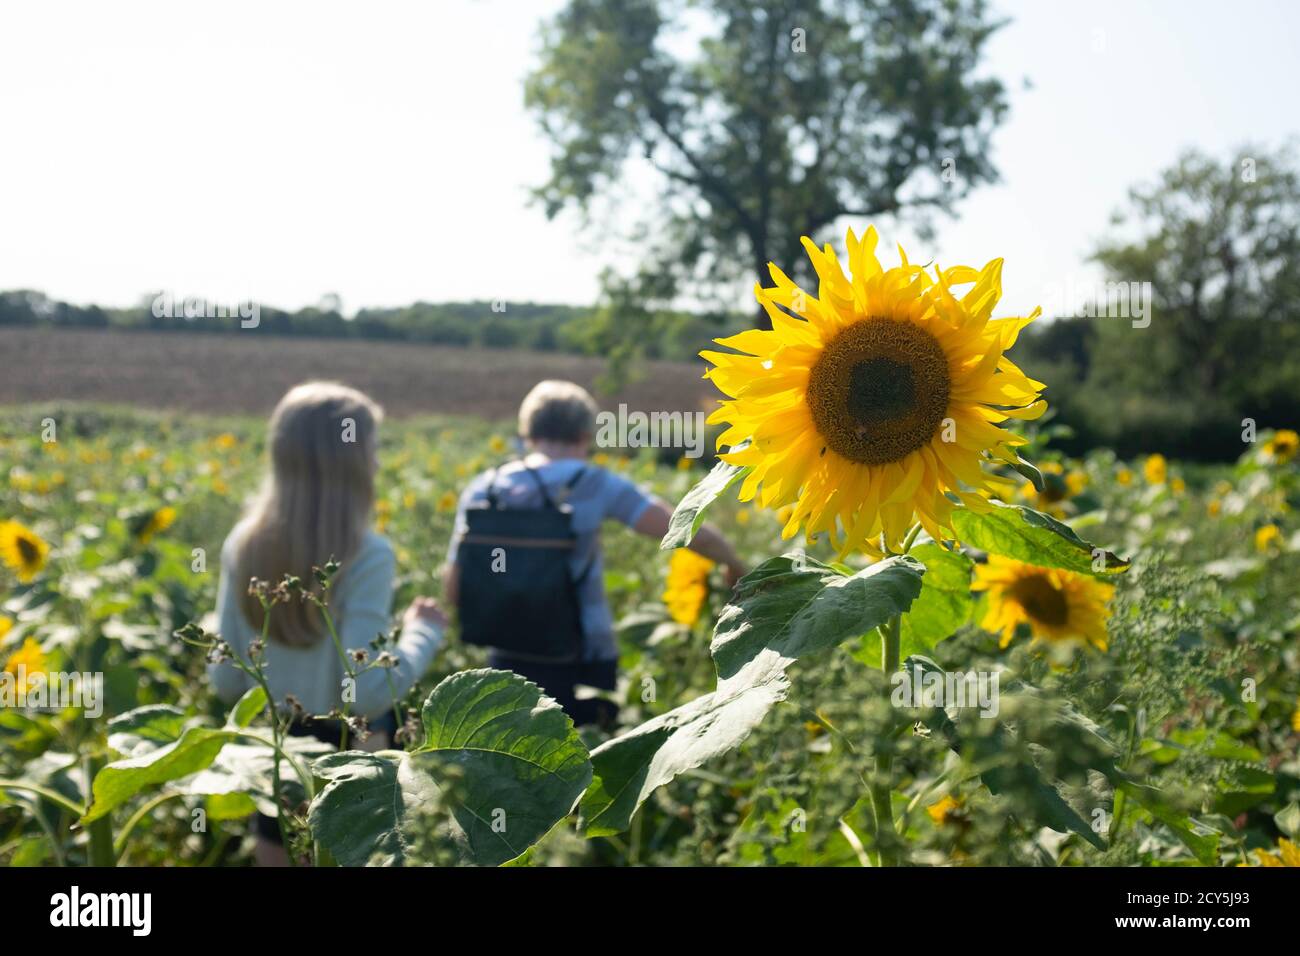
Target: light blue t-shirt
column 596, row 496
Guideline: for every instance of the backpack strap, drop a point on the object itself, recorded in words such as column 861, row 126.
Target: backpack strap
column 491, row 493
column 541, row 487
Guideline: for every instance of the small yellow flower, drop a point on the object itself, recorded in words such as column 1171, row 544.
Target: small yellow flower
column 408, row 500
column 1267, row 538
column 30, row 658
column 743, row 516
column 1214, row 507
column 220, row 487
column 225, row 441
column 1124, row 477
column 1155, row 469
column 156, row 523
column 498, row 445
column 1282, row 447
column 383, row 511
column 1177, row 486
column 23, row 550
column 1288, row 854
column 945, row 811
column 1295, row 718
column 600, row 459
column 6, row 625
column 688, row 585
column 1058, row 605
column 447, row 501
column 683, row 464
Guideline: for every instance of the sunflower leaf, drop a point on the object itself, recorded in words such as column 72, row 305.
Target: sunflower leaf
column 629, row 768
column 1014, row 531
column 1030, row 470
column 1006, row 758
column 786, row 608
column 795, row 605
column 499, row 766
column 689, row 513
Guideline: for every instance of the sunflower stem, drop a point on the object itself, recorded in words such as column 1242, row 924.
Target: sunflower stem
column 890, row 641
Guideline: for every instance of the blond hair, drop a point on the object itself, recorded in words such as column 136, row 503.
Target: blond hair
column 314, row 504
column 557, row 411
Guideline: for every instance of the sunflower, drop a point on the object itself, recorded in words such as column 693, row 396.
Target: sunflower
column 688, row 585
column 1288, row 854
column 1282, row 447
column 22, row 549
column 1058, row 605
column 447, row 501
column 947, row 810
column 154, row 523
column 1267, row 538
column 868, row 406
column 497, row 444
column 1155, row 469
column 6, row 625
column 27, row 662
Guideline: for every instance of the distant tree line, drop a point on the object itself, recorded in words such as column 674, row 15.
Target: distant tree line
column 510, row 325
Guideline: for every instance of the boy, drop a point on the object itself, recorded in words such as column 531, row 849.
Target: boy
column 557, row 421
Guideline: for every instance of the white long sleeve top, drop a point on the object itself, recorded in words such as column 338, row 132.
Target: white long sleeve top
column 360, row 602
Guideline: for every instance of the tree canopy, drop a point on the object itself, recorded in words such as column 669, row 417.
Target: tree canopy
column 762, row 120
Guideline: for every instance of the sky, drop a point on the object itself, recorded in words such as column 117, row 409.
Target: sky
column 276, row 152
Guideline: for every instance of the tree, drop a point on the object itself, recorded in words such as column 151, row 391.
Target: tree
column 1219, row 241
column 786, row 116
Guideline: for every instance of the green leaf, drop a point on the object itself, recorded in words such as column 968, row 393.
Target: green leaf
column 797, row 606
column 942, row 607
column 1202, row 840
column 145, row 729
column 631, row 767
column 119, row 781
column 247, row 707
column 1008, row 765
column 786, row 608
column 248, row 769
column 1031, row 472
column 500, row 758
column 1014, row 531
column 689, row 514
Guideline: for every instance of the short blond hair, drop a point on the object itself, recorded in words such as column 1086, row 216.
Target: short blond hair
column 557, row 411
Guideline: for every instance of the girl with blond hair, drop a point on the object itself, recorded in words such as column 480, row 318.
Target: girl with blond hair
column 315, row 504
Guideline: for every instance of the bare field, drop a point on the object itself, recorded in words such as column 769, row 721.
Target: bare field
column 239, row 373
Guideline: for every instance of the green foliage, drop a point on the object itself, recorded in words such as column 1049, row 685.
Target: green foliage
column 1015, row 531
column 773, row 123
column 516, row 763
column 1218, row 240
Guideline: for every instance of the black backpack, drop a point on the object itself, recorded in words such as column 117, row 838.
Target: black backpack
column 517, row 594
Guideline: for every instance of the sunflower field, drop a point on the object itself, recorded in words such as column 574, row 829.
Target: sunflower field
column 954, row 646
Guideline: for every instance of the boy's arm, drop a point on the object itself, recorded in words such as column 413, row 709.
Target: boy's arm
column 708, row 541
